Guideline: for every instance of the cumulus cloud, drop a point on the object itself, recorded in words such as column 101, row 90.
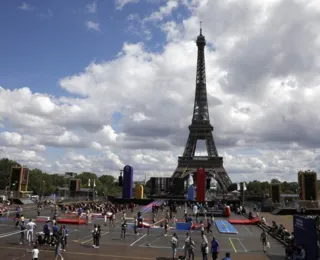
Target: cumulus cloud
column 263, row 88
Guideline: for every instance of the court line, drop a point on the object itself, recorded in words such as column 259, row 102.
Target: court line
column 250, row 233
column 86, row 241
column 86, row 254
column 242, row 245
column 24, row 255
column 149, row 243
column 138, row 240
column 234, row 248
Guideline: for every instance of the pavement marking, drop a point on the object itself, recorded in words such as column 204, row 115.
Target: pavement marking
column 24, row 255
column 250, row 233
column 149, row 243
column 241, row 244
column 234, row 248
column 138, row 240
column 86, row 254
column 86, row 241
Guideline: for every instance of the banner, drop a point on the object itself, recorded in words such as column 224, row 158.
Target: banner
column 127, row 182
column 305, row 234
column 201, row 184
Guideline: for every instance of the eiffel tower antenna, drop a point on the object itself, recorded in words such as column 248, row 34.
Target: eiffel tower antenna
column 201, row 129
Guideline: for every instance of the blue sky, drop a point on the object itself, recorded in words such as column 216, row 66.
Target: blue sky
column 43, row 41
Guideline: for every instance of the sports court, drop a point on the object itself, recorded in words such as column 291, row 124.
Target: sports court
column 242, row 244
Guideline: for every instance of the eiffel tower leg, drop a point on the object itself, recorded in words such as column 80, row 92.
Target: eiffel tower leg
column 211, row 146
column 190, row 146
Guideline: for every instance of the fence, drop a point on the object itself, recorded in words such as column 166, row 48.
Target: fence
column 308, row 204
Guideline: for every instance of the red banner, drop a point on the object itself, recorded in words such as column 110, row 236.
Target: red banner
column 201, row 184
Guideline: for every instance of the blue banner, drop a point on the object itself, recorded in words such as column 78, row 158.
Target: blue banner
column 305, row 234
column 127, row 184
column 191, row 193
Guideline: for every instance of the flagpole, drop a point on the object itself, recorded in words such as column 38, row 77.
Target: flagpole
column 89, row 184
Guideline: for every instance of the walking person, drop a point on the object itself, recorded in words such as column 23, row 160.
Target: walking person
column 191, row 249
column 264, row 240
column 174, row 246
column 204, row 247
column 186, row 245
column 123, row 230
column 94, row 231
column 58, row 246
column 214, row 248
column 97, row 237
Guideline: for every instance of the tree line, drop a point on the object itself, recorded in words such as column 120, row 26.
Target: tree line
column 42, row 183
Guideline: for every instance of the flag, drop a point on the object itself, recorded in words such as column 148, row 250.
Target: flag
column 94, row 183
column 238, row 186
column 89, row 183
column 244, row 186
column 190, row 180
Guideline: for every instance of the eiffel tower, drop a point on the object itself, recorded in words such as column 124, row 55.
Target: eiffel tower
column 201, row 129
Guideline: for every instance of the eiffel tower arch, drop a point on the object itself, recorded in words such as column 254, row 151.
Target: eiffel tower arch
column 201, row 129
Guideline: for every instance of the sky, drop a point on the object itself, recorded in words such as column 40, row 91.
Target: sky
column 96, row 85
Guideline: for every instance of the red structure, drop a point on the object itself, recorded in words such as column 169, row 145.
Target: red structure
column 201, row 184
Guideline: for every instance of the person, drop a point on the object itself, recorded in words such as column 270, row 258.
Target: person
column 94, row 231
column 97, row 235
column 191, row 249
column 46, row 232
column 30, row 227
column 166, row 227
column 22, row 230
column 105, row 217
column 58, row 246
column 214, row 248
column 123, row 230
column 186, row 245
column 264, row 240
column 301, row 255
column 135, row 226
column 174, row 245
column 64, row 234
column 35, row 252
column 204, row 247
column 227, row 256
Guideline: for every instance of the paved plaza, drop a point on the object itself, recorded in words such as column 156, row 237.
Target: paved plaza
column 153, row 245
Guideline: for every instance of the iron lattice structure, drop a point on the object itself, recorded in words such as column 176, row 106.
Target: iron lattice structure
column 201, row 129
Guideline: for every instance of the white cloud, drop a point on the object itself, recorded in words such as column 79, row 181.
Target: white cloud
column 121, row 3
column 91, row 8
column 163, row 11
column 92, row 25
column 26, row 7
column 263, row 87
